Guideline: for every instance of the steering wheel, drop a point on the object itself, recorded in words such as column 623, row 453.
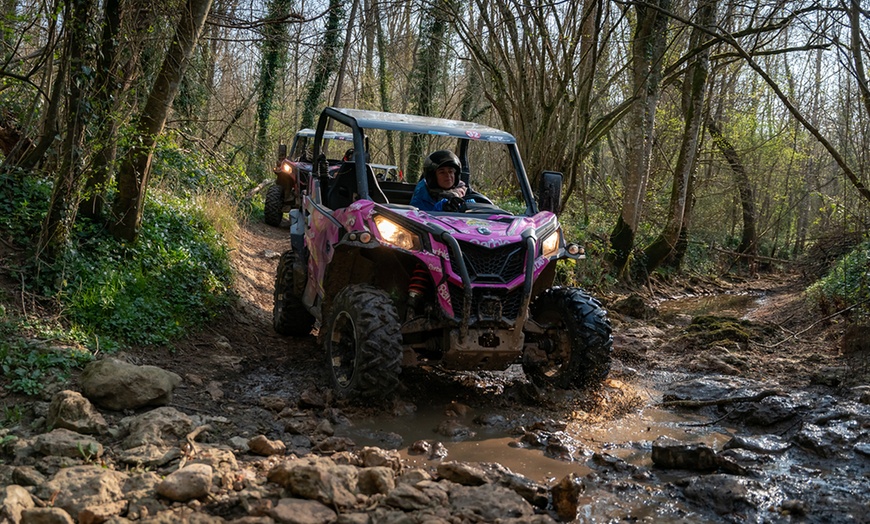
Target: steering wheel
column 478, row 197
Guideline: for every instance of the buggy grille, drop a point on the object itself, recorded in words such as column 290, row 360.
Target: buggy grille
column 498, row 265
column 510, row 301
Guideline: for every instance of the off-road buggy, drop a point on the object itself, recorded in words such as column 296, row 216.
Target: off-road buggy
column 394, row 286
column 293, row 169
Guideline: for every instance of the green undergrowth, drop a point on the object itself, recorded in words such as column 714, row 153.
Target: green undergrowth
column 847, row 284
column 175, row 277
column 104, row 294
column 34, row 353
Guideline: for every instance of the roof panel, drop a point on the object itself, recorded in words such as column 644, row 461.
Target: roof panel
column 426, row 125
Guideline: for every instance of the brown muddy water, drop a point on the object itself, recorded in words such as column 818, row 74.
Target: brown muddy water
column 628, row 438
column 726, row 305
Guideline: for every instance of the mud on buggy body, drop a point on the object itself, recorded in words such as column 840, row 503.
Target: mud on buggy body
column 395, row 286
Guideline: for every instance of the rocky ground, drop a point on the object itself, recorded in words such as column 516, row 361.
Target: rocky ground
column 237, row 424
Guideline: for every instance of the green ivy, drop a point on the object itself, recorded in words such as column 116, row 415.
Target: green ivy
column 176, row 277
column 847, row 284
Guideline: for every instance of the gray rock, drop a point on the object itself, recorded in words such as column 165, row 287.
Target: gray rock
column 669, row 453
column 769, row 444
column 769, row 411
column 488, row 503
column 13, row 500
column 149, row 455
column 117, row 385
column 70, row 410
column 727, row 495
column 79, row 487
column 46, row 516
column 162, row 427
column 378, row 479
column 462, row 473
column 299, row 511
column 535, row 493
column 260, row 445
column 408, row 498
column 188, row 483
column 827, row 442
column 317, row 478
column 413, row 476
column 65, row 443
column 239, row 444
column 27, row 476
column 372, row 457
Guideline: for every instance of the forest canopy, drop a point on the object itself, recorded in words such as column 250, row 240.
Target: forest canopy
column 682, row 128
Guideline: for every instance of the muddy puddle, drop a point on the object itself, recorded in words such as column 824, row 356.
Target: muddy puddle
column 732, row 305
column 629, row 438
column 726, row 305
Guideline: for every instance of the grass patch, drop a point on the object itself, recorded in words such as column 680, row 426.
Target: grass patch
column 175, row 277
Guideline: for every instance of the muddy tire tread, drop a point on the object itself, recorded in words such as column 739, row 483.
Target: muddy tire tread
column 379, row 350
column 289, row 315
column 589, row 331
column 273, row 205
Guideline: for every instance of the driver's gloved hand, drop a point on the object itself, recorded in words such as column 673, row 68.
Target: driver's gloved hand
column 455, row 204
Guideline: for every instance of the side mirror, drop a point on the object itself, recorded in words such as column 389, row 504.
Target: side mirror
column 282, row 151
column 550, row 192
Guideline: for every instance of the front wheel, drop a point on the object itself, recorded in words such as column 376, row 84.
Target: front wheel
column 574, row 348
column 273, row 206
column 289, row 315
column 362, row 339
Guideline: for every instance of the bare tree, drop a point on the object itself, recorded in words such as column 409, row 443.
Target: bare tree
column 59, row 220
column 647, row 53
column 694, row 89
column 136, row 163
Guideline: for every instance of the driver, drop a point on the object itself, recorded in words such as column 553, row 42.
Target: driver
column 440, row 184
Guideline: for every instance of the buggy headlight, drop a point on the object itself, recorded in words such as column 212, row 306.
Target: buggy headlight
column 397, row 235
column 286, row 166
column 550, row 245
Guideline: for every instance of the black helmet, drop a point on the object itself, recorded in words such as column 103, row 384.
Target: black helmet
column 438, row 159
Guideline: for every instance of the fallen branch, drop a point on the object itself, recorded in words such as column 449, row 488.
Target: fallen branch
column 811, row 326
column 722, row 401
column 188, row 449
column 761, row 258
column 257, row 189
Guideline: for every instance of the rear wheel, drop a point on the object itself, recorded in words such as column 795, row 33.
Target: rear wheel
column 273, row 207
column 362, row 340
column 574, row 350
column 289, row 316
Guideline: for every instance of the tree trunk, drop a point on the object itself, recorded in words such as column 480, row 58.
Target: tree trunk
column 383, row 80
column 104, row 97
column 272, row 64
column 325, row 65
column 648, row 46
column 136, row 164
column 345, row 54
column 749, row 240
column 427, row 75
column 57, row 228
column 694, row 89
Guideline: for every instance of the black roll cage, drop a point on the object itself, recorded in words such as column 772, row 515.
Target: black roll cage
column 462, row 131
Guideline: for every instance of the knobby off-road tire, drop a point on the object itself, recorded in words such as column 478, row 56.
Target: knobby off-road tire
column 362, row 341
column 575, row 350
column 289, row 316
column 273, row 206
